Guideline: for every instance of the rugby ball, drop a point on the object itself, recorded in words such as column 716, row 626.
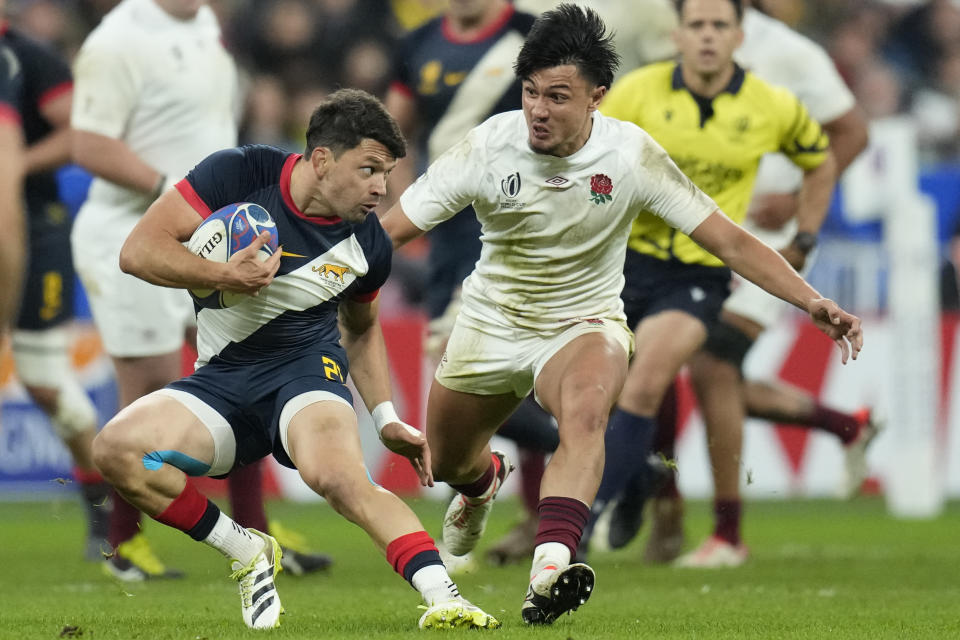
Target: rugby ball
column 225, row 232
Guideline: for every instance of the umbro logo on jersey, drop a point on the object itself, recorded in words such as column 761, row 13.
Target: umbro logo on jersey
column 511, row 185
column 557, row 181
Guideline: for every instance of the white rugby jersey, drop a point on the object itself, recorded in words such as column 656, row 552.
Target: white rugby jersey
column 166, row 87
column 783, row 57
column 554, row 230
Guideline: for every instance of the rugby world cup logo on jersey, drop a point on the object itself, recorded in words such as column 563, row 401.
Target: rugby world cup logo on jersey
column 510, row 186
column 601, row 187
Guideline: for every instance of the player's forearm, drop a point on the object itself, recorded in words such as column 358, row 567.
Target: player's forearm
column 745, row 254
column 158, row 258
column 848, row 137
column 815, row 194
column 12, row 256
column 367, row 354
column 49, row 153
column 398, row 226
column 113, row 160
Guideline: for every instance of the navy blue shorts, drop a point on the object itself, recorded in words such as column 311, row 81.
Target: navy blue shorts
column 48, row 284
column 251, row 396
column 653, row 285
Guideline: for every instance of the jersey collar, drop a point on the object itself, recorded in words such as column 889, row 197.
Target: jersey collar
column 285, row 175
column 733, row 87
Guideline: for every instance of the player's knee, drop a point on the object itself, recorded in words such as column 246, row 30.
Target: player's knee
column 586, row 415
column 336, row 488
column 113, row 452
column 728, row 343
column 69, row 408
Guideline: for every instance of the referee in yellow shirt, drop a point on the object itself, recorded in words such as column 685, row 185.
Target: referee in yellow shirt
column 716, row 121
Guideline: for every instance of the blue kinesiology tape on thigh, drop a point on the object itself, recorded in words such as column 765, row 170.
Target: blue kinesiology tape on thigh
column 190, row 466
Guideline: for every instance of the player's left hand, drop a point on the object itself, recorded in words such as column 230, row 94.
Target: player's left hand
column 403, row 439
column 842, row 327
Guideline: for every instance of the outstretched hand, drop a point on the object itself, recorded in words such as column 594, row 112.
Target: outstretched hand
column 842, row 327
column 249, row 271
column 403, row 439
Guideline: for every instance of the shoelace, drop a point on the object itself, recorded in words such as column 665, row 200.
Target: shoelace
column 246, row 586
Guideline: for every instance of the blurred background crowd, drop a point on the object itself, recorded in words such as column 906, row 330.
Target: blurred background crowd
column 900, row 57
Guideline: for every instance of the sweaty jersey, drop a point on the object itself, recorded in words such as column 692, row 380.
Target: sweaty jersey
column 554, row 230
column 44, row 76
column 324, row 261
column 717, row 142
column 164, row 86
column 457, row 83
column 788, row 59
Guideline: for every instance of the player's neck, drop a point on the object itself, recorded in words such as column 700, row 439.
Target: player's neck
column 305, row 194
column 708, row 85
column 466, row 27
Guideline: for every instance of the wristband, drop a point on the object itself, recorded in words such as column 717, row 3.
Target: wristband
column 383, row 414
column 804, row 241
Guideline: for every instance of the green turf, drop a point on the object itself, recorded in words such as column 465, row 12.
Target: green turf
column 818, row 570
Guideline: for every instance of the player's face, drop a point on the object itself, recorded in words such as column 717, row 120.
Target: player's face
column 353, row 184
column 708, row 35
column 469, row 9
column 558, row 104
column 182, row 9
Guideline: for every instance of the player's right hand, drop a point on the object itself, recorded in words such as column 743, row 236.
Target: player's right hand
column 406, row 441
column 247, row 271
column 842, row 327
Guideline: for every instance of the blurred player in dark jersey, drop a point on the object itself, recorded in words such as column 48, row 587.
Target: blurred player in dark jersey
column 451, row 75
column 40, row 336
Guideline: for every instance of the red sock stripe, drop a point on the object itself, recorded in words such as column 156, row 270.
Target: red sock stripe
column 186, row 509
column 87, row 476
column 404, row 548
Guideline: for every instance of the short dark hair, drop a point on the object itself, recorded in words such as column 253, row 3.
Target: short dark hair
column 569, row 34
column 346, row 117
column 737, row 7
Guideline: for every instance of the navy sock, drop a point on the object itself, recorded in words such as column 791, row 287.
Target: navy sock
column 627, row 443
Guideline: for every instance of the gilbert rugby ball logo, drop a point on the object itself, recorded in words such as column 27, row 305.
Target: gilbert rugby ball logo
column 600, row 188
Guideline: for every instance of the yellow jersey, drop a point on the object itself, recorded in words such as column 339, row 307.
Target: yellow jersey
column 716, row 142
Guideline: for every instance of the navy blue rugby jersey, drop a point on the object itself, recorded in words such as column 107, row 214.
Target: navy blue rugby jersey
column 325, row 260
column 457, row 83
column 44, row 77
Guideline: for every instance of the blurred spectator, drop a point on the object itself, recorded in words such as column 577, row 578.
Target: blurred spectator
column 936, row 109
column 922, row 37
column 878, row 90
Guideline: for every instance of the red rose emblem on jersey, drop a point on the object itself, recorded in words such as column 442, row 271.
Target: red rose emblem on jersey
column 601, row 186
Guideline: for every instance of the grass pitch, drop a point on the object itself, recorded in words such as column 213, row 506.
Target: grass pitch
column 817, row 570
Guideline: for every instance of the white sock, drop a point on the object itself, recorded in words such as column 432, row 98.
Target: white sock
column 434, row 584
column 547, row 554
column 234, row 541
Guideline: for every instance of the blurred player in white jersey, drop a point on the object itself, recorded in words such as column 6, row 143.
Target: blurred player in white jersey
column 556, row 187
column 155, row 92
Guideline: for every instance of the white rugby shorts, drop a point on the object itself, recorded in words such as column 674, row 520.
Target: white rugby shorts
column 134, row 318
column 487, row 355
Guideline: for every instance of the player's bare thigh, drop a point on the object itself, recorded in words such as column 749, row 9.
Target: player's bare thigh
column 664, row 342
column 459, row 428
column 585, row 375
column 323, row 442
column 155, row 430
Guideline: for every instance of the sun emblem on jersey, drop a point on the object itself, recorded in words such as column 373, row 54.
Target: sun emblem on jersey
column 337, row 271
column 600, row 188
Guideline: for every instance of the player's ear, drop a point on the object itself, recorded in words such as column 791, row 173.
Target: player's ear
column 596, row 96
column 321, row 158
